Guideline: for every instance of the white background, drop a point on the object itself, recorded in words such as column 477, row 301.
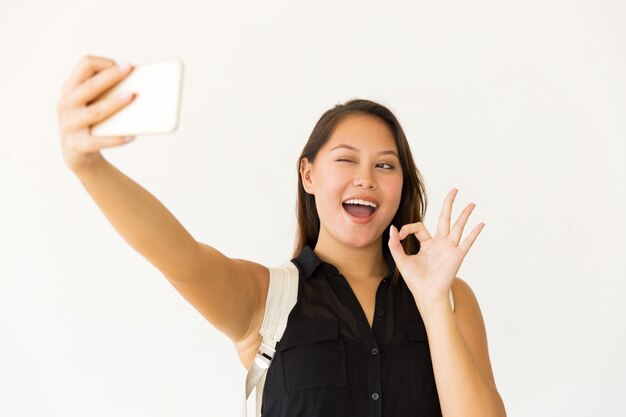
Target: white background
column 520, row 105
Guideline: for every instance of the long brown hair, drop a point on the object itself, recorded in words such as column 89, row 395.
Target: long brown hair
column 412, row 203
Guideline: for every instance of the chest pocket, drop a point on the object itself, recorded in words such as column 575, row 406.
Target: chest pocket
column 313, row 356
column 419, row 362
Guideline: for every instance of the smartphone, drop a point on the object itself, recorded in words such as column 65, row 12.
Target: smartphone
column 156, row 106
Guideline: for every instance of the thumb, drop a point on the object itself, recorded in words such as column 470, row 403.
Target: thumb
column 395, row 246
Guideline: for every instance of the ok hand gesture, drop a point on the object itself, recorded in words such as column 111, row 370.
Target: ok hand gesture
column 429, row 273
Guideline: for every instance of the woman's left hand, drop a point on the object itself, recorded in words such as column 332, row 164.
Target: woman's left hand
column 429, row 273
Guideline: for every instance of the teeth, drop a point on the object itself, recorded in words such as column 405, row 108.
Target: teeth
column 362, row 202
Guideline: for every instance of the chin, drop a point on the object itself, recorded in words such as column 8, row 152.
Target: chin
column 360, row 240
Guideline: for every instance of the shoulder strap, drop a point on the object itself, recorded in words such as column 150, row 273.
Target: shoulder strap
column 282, row 295
column 451, row 300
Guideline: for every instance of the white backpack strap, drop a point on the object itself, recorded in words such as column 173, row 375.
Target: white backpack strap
column 282, row 295
column 451, row 300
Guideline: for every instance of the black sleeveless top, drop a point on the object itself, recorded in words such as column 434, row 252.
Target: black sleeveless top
column 330, row 363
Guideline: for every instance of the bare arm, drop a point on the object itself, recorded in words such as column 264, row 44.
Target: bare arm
column 227, row 292
column 460, row 356
column 142, row 220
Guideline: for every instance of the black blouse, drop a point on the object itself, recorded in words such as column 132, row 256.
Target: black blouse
column 330, row 363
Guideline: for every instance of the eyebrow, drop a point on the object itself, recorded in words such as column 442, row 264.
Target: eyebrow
column 352, row 148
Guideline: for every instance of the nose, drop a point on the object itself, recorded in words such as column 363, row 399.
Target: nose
column 364, row 179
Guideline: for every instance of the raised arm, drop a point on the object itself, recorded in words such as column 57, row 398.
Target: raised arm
column 227, row 292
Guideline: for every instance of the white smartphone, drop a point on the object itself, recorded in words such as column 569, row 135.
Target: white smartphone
column 156, row 106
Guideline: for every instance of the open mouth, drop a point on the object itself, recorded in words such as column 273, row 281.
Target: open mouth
column 360, row 211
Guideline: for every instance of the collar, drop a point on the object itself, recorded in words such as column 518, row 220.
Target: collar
column 308, row 262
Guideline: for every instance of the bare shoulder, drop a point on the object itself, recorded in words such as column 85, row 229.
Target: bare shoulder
column 470, row 320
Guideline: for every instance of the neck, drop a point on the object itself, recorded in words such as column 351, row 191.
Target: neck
column 358, row 263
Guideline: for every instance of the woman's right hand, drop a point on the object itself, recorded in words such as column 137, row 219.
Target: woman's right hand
column 78, row 112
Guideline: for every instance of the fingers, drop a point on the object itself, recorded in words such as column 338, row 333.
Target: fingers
column 85, row 69
column 443, row 226
column 99, row 142
column 395, row 246
column 469, row 240
column 418, row 229
column 95, row 112
column 459, row 225
column 83, row 105
column 93, row 87
column 90, row 147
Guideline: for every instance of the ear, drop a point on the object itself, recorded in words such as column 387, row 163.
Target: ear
column 306, row 174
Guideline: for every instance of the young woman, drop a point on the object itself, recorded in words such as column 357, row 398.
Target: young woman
column 373, row 331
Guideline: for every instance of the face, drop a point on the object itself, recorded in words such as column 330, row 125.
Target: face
column 339, row 173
